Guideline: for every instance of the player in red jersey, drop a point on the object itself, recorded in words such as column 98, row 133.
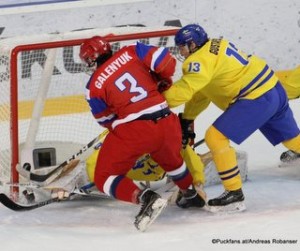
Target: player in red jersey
column 123, row 96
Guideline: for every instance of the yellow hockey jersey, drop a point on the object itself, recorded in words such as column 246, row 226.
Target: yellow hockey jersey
column 221, row 74
column 291, row 82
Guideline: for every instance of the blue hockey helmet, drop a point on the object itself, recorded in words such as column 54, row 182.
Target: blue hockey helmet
column 191, row 33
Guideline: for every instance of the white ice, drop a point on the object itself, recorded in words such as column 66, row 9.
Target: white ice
column 273, row 212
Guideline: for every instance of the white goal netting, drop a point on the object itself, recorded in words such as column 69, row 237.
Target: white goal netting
column 42, row 103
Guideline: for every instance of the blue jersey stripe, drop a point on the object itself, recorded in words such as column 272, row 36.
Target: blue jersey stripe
column 160, row 58
column 114, row 185
column 180, row 176
column 97, row 105
column 247, row 87
column 261, row 83
column 142, row 50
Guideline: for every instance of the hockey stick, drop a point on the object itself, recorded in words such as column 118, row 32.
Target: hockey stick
column 49, row 177
column 9, row 203
column 198, row 143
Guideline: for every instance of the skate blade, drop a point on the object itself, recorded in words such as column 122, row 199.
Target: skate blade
column 293, row 163
column 231, row 208
column 158, row 206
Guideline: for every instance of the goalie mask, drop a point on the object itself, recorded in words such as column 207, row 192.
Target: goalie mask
column 95, row 51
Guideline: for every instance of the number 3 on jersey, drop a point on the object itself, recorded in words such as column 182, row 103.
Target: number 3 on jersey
column 133, row 87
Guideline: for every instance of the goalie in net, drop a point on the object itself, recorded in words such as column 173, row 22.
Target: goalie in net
column 79, row 175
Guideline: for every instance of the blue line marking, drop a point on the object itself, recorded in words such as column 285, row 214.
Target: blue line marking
column 35, row 3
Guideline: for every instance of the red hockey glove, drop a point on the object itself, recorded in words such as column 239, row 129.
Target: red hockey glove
column 164, row 84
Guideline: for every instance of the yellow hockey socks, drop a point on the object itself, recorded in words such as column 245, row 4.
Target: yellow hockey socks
column 293, row 144
column 225, row 159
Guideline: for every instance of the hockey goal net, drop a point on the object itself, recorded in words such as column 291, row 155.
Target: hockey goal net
column 44, row 117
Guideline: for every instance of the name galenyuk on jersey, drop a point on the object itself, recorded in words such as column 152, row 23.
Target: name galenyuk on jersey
column 111, row 68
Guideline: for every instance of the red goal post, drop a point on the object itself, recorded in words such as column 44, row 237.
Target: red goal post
column 44, row 118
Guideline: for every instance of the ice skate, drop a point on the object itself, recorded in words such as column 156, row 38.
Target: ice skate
column 289, row 159
column 152, row 207
column 191, row 198
column 229, row 201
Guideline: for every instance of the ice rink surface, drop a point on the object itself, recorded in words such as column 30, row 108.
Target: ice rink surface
column 273, row 212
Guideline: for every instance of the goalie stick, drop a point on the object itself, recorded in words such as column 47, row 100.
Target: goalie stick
column 9, row 203
column 198, row 143
column 164, row 191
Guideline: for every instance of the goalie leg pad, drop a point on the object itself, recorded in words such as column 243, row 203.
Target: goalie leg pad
column 72, row 177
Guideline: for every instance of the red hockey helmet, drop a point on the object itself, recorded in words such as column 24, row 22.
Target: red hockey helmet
column 94, row 50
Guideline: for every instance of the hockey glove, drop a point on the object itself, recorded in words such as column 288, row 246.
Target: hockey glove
column 187, row 130
column 164, row 85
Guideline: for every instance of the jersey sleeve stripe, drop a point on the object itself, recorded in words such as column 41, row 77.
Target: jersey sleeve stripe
column 105, row 119
column 157, row 58
column 97, row 105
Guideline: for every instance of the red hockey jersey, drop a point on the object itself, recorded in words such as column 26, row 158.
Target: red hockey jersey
column 122, row 89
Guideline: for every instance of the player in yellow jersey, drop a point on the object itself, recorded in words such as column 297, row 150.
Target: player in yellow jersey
column 245, row 88
column 291, row 82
